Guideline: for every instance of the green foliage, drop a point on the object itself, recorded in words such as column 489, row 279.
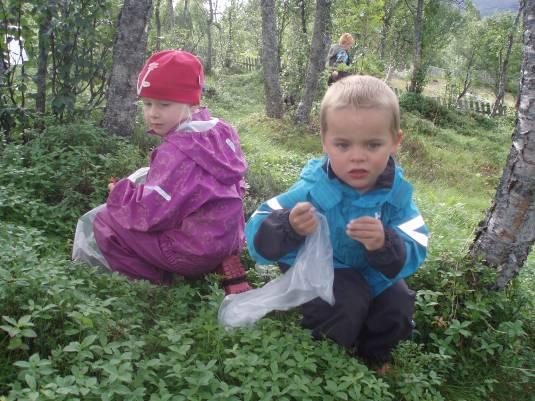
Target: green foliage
column 369, row 63
column 233, row 96
column 463, row 323
column 420, row 79
column 426, row 107
column 465, row 148
column 418, row 374
column 493, row 40
column 75, row 39
column 84, row 334
column 273, row 163
column 59, row 174
column 295, row 45
column 362, row 19
column 434, row 113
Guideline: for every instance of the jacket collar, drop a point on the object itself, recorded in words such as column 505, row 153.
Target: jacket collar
column 328, row 190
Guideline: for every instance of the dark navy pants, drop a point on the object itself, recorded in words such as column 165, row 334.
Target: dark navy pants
column 368, row 327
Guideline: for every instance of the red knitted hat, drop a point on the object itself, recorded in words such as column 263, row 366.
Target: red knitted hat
column 172, row 75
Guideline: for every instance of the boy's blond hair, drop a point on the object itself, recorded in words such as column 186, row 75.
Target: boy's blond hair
column 360, row 92
column 346, row 38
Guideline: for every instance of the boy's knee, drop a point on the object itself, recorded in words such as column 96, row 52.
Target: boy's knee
column 398, row 299
column 343, row 325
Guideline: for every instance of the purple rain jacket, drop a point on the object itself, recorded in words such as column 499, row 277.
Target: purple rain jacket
column 188, row 215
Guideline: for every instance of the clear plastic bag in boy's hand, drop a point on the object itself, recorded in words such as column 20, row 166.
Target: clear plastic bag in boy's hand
column 85, row 248
column 311, row 276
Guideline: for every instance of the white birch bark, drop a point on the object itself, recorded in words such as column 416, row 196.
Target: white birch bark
column 506, row 236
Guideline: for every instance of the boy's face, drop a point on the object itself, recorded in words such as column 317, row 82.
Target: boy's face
column 162, row 116
column 359, row 144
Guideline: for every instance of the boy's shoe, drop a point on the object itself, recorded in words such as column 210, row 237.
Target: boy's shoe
column 234, row 279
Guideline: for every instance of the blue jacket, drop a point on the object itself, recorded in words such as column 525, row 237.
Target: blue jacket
column 405, row 232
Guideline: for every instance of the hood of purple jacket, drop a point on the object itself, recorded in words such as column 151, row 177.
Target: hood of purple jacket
column 211, row 144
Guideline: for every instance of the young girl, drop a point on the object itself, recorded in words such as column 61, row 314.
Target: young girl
column 187, row 218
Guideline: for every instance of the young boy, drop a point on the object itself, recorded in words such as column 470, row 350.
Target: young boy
column 377, row 233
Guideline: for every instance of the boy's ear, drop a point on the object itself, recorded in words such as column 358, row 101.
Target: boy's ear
column 397, row 142
column 401, row 135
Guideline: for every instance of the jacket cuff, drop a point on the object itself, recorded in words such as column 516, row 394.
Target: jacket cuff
column 276, row 237
column 391, row 257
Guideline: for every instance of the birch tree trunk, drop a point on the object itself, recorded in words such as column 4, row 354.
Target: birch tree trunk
column 42, row 62
column 170, row 13
column 210, row 22
column 467, row 82
column 230, row 47
column 505, row 237
column 415, row 85
column 128, row 57
column 158, row 25
column 389, row 8
column 302, row 6
column 316, row 61
column 270, row 60
column 503, row 70
column 66, row 89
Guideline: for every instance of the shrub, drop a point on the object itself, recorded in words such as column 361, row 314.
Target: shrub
column 69, row 332
column 60, row 173
column 427, row 108
column 465, row 123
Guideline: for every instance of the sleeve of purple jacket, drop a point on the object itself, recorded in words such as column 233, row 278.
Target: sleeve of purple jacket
column 175, row 188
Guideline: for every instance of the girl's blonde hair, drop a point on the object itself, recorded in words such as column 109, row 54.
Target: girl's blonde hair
column 346, row 38
column 360, row 92
column 186, row 111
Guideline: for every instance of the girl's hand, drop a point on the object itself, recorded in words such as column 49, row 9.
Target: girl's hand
column 368, row 231
column 112, row 183
column 303, row 219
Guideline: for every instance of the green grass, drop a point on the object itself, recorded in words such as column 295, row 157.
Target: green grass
column 94, row 336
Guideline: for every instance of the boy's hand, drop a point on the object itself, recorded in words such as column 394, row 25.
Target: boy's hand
column 303, row 219
column 368, row 231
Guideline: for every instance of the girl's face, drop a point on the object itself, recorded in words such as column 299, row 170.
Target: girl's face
column 162, row 116
column 359, row 143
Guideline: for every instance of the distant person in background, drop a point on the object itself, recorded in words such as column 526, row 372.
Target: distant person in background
column 187, row 218
column 339, row 54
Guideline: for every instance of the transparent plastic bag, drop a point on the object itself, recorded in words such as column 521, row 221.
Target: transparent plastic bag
column 311, row 276
column 85, row 248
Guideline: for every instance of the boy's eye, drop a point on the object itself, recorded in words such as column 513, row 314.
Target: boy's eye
column 165, row 104
column 342, row 146
column 373, row 145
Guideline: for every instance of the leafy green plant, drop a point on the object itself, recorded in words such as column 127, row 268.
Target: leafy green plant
column 60, row 173
column 18, row 330
column 426, row 107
